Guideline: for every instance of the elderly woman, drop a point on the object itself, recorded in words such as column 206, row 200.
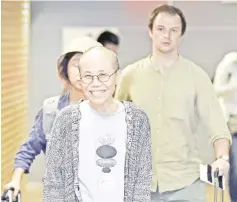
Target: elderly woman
column 99, row 149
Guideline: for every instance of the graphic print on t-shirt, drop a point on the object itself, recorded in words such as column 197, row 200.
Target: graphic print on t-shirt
column 106, row 152
column 102, row 150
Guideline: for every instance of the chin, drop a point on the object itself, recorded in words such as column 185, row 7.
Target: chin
column 166, row 50
column 97, row 101
column 77, row 86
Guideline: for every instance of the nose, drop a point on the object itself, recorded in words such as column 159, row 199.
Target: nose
column 95, row 81
column 78, row 76
column 167, row 34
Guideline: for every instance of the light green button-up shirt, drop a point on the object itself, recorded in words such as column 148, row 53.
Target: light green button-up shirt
column 177, row 102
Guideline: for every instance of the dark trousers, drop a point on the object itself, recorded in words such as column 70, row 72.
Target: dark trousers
column 233, row 169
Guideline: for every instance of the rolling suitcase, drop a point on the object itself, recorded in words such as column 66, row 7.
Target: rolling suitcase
column 7, row 196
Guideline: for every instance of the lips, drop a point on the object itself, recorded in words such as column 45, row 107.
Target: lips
column 97, row 93
column 166, row 43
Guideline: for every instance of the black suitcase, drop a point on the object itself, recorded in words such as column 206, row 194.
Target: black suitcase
column 7, row 196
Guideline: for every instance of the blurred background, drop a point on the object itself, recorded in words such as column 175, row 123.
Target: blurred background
column 34, row 33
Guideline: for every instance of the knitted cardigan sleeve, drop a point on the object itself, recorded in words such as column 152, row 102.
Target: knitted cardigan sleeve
column 54, row 189
column 143, row 183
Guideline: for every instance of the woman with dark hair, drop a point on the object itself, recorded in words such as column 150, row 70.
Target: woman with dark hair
column 39, row 135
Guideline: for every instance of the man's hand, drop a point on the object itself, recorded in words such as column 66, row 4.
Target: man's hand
column 221, row 165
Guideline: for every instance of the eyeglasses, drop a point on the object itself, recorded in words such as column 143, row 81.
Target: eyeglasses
column 87, row 79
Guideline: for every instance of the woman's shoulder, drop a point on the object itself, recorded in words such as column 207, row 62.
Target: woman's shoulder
column 138, row 118
column 136, row 112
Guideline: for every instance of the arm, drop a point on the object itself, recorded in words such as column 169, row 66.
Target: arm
column 122, row 89
column 210, row 113
column 24, row 158
column 221, row 147
column 54, row 189
column 226, row 90
column 35, row 143
column 143, row 183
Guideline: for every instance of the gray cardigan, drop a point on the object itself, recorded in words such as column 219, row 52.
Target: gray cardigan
column 62, row 157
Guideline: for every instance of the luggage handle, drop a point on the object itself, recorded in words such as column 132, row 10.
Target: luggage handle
column 216, row 187
column 8, row 195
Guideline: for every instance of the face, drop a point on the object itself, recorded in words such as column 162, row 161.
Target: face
column 112, row 47
column 166, row 32
column 73, row 71
column 98, row 74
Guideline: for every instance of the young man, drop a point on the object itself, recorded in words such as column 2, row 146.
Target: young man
column 109, row 40
column 178, row 97
column 225, row 82
column 100, row 149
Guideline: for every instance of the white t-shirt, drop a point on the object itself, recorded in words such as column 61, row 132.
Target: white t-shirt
column 102, row 149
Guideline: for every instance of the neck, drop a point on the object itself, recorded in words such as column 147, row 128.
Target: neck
column 164, row 60
column 110, row 106
column 75, row 95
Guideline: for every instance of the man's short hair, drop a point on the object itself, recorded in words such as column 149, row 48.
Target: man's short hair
column 108, row 37
column 170, row 10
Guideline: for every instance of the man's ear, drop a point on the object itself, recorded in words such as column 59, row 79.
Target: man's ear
column 150, row 32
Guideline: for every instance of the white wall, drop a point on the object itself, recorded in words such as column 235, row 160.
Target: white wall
column 212, row 31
